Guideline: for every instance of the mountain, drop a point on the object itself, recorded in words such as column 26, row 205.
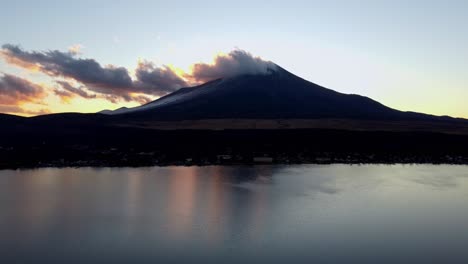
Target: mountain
column 274, row 100
column 276, row 95
column 277, row 115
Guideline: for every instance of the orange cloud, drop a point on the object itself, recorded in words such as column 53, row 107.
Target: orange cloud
column 68, row 91
column 15, row 91
column 14, row 109
column 18, row 62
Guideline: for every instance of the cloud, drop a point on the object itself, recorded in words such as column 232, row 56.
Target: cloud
column 237, row 62
column 113, row 82
column 142, row 99
column 37, row 112
column 15, row 91
column 149, row 76
column 55, row 63
column 75, row 49
column 14, row 109
column 65, row 96
column 68, row 90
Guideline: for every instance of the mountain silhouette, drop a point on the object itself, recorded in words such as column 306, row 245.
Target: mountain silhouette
column 278, row 94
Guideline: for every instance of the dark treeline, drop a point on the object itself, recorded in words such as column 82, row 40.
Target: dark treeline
column 83, row 145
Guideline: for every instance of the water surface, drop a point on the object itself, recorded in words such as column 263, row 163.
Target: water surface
column 274, row 214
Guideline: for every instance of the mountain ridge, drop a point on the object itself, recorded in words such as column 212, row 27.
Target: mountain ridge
column 278, row 94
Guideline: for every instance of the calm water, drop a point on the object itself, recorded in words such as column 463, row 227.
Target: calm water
column 275, row 214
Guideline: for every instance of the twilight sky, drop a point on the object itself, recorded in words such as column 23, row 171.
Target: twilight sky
column 85, row 56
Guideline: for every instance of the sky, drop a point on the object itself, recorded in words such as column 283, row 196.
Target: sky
column 86, row 56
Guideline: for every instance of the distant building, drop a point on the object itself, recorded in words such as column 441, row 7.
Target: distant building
column 224, row 157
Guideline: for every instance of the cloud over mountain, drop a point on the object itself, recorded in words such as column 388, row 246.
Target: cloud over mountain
column 236, row 62
column 149, row 76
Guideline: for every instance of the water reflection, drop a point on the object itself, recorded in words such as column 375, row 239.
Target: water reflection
column 200, row 203
column 259, row 213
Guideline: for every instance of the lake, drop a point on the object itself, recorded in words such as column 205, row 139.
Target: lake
column 235, row 214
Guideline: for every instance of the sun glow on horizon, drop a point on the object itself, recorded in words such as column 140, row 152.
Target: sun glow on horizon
column 373, row 77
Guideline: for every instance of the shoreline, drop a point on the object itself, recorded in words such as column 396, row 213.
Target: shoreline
column 100, row 164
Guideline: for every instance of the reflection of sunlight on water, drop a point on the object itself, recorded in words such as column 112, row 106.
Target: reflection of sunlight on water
column 181, row 191
column 35, row 206
column 216, row 205
column 134, row 200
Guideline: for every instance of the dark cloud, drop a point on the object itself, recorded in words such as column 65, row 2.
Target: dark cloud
column 15, row 91
column 69, row 90
column 113, row 82
column 66, row 92
column 237, row 62
column 149, row 76
column 65, row 96
column 108, row 79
